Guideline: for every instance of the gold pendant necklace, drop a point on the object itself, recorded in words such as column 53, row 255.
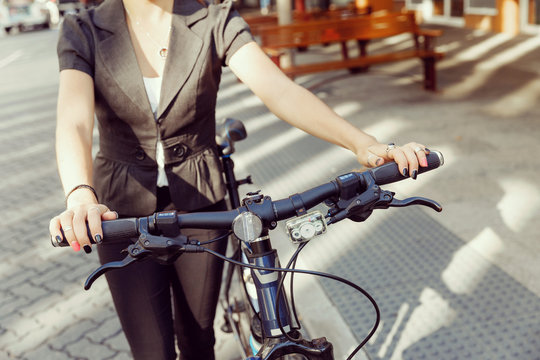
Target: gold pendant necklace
column 163, row 50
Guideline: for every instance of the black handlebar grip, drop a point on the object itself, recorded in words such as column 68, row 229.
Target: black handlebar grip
column 389, row 173
column 120, row 229
column 113, row 231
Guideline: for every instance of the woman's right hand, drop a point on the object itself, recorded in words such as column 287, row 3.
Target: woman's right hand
column 73, row 222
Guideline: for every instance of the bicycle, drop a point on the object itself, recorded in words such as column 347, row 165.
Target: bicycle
column 351, row 196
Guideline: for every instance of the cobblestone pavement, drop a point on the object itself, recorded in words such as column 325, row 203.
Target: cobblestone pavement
column 44, row 312
column 482, row 121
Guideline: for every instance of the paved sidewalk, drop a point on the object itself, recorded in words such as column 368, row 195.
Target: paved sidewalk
column 477, row 260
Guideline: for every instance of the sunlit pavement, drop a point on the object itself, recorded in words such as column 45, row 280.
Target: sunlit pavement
column 464, row 280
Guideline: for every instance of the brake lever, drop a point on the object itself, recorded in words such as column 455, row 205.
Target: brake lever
column 162, row 249
column 359, row 208
column 128, row 260
column 416, row 200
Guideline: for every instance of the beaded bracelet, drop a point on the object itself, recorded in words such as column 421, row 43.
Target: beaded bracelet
column 82, row 186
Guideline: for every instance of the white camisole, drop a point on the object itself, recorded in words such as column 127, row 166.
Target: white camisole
column 153, row 91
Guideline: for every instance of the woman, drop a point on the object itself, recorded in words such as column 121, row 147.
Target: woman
column 150, row 71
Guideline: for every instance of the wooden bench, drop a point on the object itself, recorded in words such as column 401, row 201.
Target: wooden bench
column 363, row 29
column 256, row 21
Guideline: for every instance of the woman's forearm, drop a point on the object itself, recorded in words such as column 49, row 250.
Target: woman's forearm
column 75, row 122
column 293, row 103
column 304, row 110
column 74, row 157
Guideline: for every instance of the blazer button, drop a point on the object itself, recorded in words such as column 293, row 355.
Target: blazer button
column 139, row 153
column 179, row 151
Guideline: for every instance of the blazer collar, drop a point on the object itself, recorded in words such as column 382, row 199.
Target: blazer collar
column 119, row 56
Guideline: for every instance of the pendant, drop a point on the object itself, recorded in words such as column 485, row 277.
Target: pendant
column 163, row 52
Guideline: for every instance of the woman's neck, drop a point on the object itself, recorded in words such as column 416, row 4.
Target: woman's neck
column 152, row 10
column 150, row 23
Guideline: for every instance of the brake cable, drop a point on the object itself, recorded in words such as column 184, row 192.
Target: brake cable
column 292, row 261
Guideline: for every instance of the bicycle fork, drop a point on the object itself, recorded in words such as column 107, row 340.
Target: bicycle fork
column 267, row 282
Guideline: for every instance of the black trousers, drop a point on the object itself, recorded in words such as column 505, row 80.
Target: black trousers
column 155, row 302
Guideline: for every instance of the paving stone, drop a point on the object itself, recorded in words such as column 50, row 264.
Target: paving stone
column 54, row 281
column 7, row 338
column 74, row 333
column 98, row 314
column 84, row 349
column 81, row 271
column 20, row 324
column 42, row 306
column 6, row 299
column 29, row 291
column 28, row 341
column 118, row 343
column 48, row 272
column 51, row 317
column 75, row 303
column 108, row 329
column 16, row 279
column 120, row 356
column 5, row 269
column 45, row 352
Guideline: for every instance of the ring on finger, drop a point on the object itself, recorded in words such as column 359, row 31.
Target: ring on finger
column 418, row 149
column 67, row 228
column 389, row 147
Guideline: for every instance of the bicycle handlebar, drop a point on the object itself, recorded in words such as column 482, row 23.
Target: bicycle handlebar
column 343, row 187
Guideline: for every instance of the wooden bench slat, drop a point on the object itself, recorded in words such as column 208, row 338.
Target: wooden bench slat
column 350, row 63
column 308, row 33
column 256, row 21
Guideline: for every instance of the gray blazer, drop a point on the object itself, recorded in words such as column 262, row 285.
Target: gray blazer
column 202, row 40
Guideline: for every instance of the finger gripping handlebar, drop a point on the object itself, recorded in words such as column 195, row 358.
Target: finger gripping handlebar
column 389, row 173
column 119, row 230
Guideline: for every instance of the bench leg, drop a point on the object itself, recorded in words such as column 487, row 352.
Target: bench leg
column 430, row 76
column 362, row 48
column 344, row 50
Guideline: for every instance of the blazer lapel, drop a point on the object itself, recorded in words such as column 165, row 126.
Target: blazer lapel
column 118, row 54
column 184, row 50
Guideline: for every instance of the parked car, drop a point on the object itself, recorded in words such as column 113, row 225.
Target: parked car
column 28, row 14
column 69, row 6
column 74, row 6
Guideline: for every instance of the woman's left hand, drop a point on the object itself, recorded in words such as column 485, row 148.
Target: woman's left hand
column 409, row 157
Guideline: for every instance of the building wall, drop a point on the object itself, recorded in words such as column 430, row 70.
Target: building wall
column 507, row 18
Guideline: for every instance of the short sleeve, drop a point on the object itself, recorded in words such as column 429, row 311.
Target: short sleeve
column 232, row 32
column 75, row 46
